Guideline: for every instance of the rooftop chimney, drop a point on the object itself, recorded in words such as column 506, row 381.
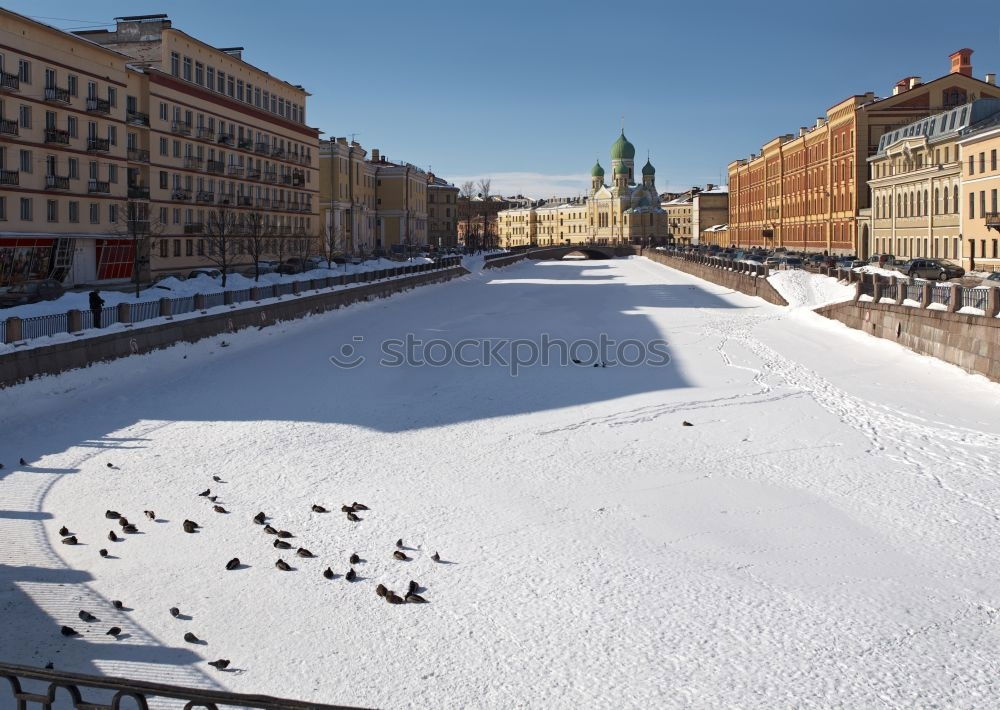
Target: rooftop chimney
column 375, row 155
column 819, row 121
column 802, row 131
column 991, row 78
column 961, row 62
column 914, row 82
column 709, row 187
column 236, row 52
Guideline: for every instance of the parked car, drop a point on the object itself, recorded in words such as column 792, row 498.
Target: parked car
column 993, row 279
column 790, row 262
column 771, row 261
column 210, row 273
column 931, row 269
column 886, row 260
column 31, row 292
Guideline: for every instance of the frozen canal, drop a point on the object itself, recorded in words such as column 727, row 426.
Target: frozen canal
column 825, row 533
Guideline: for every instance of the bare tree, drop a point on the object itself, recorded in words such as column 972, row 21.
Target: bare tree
column 465, row 195
column 302, row 247
column 484, row 194
column 332, row 242
column 222, row 232
column 254, row 233
column 135, row 224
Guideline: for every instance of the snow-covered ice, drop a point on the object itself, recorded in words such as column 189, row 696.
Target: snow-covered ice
column 804, row 289
column 824, row 535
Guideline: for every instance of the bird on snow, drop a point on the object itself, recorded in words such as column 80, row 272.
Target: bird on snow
column 686, row 423
column 221, row 664
column 318, row 509
column 110, row 465
column 381, row 590
column 282, row 565
column 205, row 493
column 359, row 506
column 150, row 514
column 112, row 514
column 354, row 558
column 175, row 612
column 303, row 552
column 64, row 531
column 112, row 536
column 596, row 365
column 576, row 362
column 23, row 462
column 393, row 598
column 284, row 533
column 415, row 598
column 269, row 530
column 48, row 666
column 71, row 540
column 191, row 638
column 102, row 552
column 86, row 615
column 399, row 542
column 69, row 631
column 219, row 509
column 190, row 526
column 353, row 518
column 282, row 545
column 123, row 521
column 113, row 631
column 233, row 563
column 259, row 518
column 347, row 509
column 436, row 557
column 412, row 588
column 400, row 555
column 117, row 604
column 350, row 575
column 213, row 498
column 131, row 529
column 216, row 479
column 328, row 573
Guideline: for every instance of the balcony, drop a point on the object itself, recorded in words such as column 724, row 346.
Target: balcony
column 285, row 230
column 992, row 220
column 8, row 127
column 9, row 177
column 60, row 96
column 235, row 171
column 194, row 228
column 205, row 134
column 193, row 163
column 54, row 135
column 277, row 152
column 138, row 226
column 57, row 182
column 270, row 176
column 215, row 166
column 98, row 145
column 138, row 192
column 246, row 144
column 225, row 199
column 9, row 82
column 95, row 105
column 298, row 179
column 136, row 155
column 262, row 148
column 137, row 119
column 253, row 174
column 263, row 203
column 278, row 204
column 245, row 201
column 204, row 196
column 180, row 195
column 101, row 187
column 285, row 179
column 180, row 128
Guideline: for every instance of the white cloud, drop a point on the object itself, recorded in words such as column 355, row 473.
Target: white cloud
column 541, row 185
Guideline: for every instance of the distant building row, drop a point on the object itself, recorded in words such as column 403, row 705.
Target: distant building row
column 913, row 174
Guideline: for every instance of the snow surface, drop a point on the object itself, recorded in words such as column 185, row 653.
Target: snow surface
column 824, row 535
column 804, row 289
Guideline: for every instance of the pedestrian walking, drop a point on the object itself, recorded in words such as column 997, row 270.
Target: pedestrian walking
column 96, row 305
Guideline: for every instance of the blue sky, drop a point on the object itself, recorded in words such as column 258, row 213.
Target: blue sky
column 531, row 93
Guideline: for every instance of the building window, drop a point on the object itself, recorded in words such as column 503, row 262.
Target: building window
column 175, row 63
column 112, row 173
column 230, row 85
column 187, row 68
column 199, row 73
column 221, row 83
column 112, row 96
column 164, row 112
column 26, row 209
column 25, row 116
column 74, row 212
column 164, row 146
column 189, row 247
column 113, row 214
column 71, row 126
column 24, row 71
column 25, row 160
column 239, row 89
column 972, row 205
column 972, row 165
column 52, row 210
column 177, row 247
column 95, row 213
column 163, row 248
column 74, row 168
column 72, row 84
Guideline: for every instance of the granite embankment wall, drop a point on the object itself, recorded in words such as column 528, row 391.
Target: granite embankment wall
column 745, row 278
column 25, row 364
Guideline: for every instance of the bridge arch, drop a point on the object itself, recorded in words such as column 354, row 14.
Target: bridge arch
column 589, row 250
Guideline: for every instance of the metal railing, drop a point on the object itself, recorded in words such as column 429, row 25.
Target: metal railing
column 98, row 186
column 57, row 182
column 941, row 294
column 215, row 166
column 9, row 177
column 138, row 192
column 40, row 326
column 224, row 138
column 138, row 155
column 95, row 105
column 137, row 118
column 54, row 93
column 181, row 195
column 914, row 292
column 975, row 297
column 8, row 126
column 10, row 82
column 180, row 128
column 193, row 163
column 204, row 133
column 99, row 145
column 204, row 196
column 55, row 135
column 114, row 692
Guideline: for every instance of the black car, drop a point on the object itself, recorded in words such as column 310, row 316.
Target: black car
column 31, row 292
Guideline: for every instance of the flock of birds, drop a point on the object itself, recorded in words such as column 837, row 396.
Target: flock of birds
column 280, row 542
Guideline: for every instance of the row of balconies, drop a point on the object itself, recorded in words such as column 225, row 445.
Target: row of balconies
column 228, row 199
column 238, row 230
column 262, row 147
column 61, row 182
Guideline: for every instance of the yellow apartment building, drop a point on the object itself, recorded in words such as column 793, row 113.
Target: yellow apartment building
column 442, row 213
column 980, row 185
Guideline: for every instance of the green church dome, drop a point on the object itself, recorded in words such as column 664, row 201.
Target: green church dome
column 622, row 149
column 621, row 169
column 648, row 168
column 597, row 170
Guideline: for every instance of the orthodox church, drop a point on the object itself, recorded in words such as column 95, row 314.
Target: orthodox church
column 625, row 211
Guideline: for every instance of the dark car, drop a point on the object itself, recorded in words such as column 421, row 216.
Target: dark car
column 931, row 269
column 993, row 279
column 31, row 292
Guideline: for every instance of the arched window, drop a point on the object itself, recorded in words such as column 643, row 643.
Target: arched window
column 926, row 208
column 945, row 209
column 954, row 197
column 937, row 201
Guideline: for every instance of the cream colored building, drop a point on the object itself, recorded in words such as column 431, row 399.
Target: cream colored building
column 916, row 184
column 980, row 159
column 211, row 139
column 442, row 213
column 623, row 212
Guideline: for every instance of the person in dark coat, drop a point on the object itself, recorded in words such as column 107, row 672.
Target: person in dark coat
column 96, row 304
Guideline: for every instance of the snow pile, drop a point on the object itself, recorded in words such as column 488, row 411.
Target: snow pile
column 803, row 289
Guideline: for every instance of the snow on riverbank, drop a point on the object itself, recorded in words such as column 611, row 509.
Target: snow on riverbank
column 821, row 536
column 803, row 289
